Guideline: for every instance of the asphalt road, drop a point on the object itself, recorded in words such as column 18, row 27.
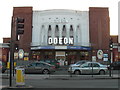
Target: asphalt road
column 75, row 83
column 37, row 83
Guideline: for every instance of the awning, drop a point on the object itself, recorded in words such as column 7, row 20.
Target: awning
column 61, row 47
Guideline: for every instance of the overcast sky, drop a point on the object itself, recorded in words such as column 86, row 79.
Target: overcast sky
column 6, row 9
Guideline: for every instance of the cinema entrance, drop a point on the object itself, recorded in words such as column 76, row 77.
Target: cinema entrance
column 71, row 56
column 66, row 56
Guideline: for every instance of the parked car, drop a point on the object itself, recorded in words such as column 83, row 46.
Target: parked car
column 89, row 68
column 52, row 62
column 2, row 67
column 115, row 65
column 78, row 63
column 38, row 67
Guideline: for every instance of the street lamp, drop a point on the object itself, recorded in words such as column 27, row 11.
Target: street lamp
column 19, row 28
column 110, row 51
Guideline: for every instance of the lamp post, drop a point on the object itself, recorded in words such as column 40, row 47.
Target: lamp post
column 19, row 29
column 11, row 53
column 110, row 63
column 110, row 51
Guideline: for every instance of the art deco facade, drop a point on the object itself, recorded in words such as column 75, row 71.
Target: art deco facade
column 89, row 30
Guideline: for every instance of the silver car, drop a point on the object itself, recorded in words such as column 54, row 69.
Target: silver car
column 89, row 68
column 38, row 67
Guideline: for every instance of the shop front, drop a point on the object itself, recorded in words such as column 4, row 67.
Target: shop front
column 66, row 56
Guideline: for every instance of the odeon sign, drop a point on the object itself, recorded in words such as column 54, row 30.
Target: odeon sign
column 60, row 41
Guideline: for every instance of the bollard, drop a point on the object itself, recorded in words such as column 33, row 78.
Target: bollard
column 15, row 64
column 70, row 71
column 8, row 65
column 20, row 77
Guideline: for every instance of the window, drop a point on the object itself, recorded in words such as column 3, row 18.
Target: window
column 90, row 64
column 71, row 30
column 56, row 31
column 95, row 65
column 32, row 65
column 86, row 65
column 84, row 55
column 72, row 53
column 48, row 61
column 39, row 64
column 80, row 62
column 49, row 30
column 64, row 31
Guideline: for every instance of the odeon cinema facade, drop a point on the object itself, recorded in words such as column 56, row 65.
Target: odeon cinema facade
column 61, row 34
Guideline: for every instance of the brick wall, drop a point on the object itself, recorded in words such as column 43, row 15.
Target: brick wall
column 99, row 29
column 25, row 39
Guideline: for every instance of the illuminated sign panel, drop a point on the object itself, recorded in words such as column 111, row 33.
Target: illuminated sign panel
column 60, row 41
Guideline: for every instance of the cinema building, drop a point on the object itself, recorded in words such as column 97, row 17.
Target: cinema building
column 67, row 35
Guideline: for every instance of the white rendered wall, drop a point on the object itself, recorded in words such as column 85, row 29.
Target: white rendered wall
column 60, row 17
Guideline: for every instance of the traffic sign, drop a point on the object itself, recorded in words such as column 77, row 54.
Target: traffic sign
column 100, row 54
column 21, row 53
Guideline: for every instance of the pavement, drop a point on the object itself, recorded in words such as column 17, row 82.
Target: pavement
column 66, row 77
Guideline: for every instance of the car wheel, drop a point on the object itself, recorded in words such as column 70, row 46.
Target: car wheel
column 77, row 72
column 102, row 72
column 3, row 70
column 45, row 71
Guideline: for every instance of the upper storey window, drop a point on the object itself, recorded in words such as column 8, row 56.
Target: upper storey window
column 64, row 31
column 71, row 30
column 49, row 30
column 56, row 31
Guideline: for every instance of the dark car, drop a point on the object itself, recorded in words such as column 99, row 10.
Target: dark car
column 52, row 62
column 115, row 65
column 2, row 66
column 38, row 67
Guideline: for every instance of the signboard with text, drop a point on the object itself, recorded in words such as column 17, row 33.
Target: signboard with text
column 21, row 53
column 100, row 54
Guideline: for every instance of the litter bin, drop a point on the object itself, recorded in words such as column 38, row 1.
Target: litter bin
column 20, row 77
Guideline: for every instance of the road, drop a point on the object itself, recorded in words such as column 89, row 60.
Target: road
column 37, row 83
column 75, row 83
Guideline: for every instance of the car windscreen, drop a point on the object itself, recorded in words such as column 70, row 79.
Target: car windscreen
column 32, row 65
column 80, row 62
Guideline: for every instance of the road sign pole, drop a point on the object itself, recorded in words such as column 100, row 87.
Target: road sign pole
column 110, row 62
column 11, row 53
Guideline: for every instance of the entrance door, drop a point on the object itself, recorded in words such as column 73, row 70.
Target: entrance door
column 60, row 56
column 71, row 57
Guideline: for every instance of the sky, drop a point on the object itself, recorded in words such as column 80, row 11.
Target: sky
column 6, row 9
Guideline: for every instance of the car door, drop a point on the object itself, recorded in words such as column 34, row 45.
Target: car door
column 30, row 68
column 39, row 67
column 96, row 68
column 85, row 68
